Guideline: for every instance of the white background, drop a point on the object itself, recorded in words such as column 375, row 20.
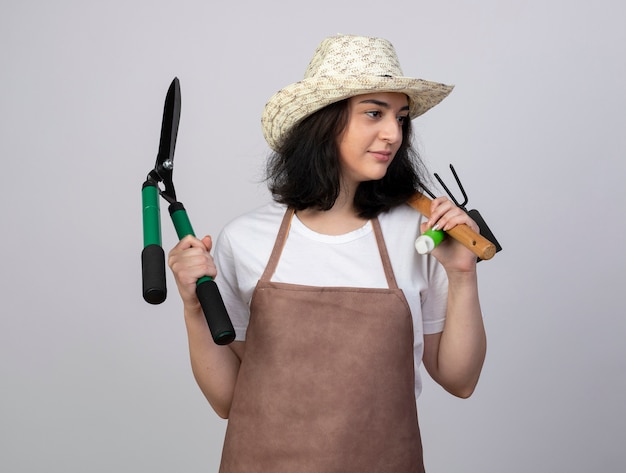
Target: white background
column 93, row 379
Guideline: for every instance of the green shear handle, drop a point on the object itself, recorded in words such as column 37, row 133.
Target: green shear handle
column 152, row 256
column 208, row 294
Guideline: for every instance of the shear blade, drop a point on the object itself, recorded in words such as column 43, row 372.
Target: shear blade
column 169, row 132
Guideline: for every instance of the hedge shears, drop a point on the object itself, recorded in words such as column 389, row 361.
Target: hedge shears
column 153, row 256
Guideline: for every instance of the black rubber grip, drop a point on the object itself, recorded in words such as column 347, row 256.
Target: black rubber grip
column 153, row 274
column 215, row 312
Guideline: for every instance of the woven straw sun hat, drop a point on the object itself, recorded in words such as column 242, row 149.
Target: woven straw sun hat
column 344, row 66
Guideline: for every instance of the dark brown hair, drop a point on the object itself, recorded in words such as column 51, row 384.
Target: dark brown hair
column 305, row 171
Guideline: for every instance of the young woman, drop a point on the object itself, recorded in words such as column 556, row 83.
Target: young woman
column 334, row 309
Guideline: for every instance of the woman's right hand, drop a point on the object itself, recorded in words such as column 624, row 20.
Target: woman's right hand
column 190, row 260
column 215, row 367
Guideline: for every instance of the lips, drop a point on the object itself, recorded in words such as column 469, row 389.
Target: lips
column 383, row 156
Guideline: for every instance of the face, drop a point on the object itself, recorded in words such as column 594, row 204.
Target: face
column 372, row 136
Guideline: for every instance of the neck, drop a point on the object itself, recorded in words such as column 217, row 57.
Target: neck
column 341, row 218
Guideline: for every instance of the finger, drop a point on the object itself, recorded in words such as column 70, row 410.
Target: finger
column 454, row 218
column 436, row 203
column 192, row 254
column 208, row 242
column 188, row 241
column 191, row 264
column 439, row 207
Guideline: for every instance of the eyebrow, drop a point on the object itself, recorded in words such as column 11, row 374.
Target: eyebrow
column 380, row 103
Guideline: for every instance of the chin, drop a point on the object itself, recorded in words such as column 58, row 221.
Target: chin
column 377, row 176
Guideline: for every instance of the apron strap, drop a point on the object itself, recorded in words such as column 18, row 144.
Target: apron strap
column 278, row 246
column 384, row 255
column 281, row 238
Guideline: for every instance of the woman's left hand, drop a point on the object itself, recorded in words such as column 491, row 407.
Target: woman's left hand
column 444, row 215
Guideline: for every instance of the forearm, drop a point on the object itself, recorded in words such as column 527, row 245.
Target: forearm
column 215, row 367
column 462, row 345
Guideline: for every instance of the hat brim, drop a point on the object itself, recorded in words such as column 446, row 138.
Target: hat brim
column 297, row 101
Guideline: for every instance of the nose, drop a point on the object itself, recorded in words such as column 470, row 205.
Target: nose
column 391, row 130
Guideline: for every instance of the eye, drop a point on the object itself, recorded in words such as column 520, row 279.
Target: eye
column 403, row 119
column 374, row 113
